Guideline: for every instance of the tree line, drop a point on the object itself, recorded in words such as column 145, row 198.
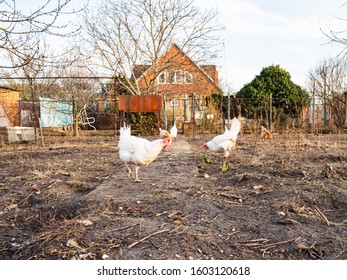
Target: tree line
column 110, row 38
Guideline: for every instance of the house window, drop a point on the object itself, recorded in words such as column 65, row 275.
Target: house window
column 179, row 76
column 175, row 77
column 175, row 103
column 172, row 78
column 188, row 77
column 162, row 78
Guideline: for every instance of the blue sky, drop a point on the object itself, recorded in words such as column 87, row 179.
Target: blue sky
column 259, row 33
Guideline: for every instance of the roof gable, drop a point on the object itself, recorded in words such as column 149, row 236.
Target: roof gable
column 175, row 58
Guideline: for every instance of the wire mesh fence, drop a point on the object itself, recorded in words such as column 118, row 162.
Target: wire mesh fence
column 103, row 114
column 91, row 103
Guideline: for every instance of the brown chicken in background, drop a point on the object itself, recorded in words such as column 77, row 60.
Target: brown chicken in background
column 265, row 133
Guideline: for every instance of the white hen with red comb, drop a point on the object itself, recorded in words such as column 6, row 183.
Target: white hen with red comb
column 138, row 151
column 226, row 141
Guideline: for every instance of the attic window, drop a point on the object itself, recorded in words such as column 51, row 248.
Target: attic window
column 188, row 77
column 162, row 78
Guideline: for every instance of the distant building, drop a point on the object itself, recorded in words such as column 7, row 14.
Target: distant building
column 178, row 79
column 9, row 100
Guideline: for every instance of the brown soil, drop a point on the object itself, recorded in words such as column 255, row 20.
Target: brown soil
column 284, row 198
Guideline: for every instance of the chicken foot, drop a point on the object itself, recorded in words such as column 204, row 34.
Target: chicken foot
column 130, row 173
column 136, row 174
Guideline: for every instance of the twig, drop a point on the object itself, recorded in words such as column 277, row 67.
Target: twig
column 322, row 215
column 293, row 221
column 270, row 246
column 253, row 241
column 326, row 219
column 122, row 228
column 230, row 195
column 147, row 237
column 25, row 199
column 214, row 218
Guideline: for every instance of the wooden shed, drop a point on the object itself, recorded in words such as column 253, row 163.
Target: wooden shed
column 9, row 100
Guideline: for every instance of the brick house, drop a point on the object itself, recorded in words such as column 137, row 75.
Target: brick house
column 181, row 82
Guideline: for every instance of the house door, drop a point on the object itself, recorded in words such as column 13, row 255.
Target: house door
column 189, row 114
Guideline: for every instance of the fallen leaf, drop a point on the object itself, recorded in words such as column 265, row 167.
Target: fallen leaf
column 72, row 243
column 12, row 206
column 85, row 222
column 206, row 159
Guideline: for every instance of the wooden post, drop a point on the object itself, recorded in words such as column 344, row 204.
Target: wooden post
column 41, row 132
column 116, row 111
column 158, row 122
column 314, row 111
column 193, row 115
column 325, row 96
column 346, row 109
column 228, row 110
column 185, row 107
column 75, row 118
column 270, row 112
column 173, row 112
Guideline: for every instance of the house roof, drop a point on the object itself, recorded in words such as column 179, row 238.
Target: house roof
column 140, row 70
column 7, row 88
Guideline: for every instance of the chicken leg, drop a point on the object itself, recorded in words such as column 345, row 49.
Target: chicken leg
column 130, row 173
column 136, row 174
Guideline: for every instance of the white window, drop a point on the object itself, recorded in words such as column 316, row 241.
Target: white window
column 162, row 78
column 188, row 77
column 175, row 103
column 171, row 78
column 179, row 76
column 175, row 77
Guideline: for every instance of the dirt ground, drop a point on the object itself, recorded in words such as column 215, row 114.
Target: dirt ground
column 284, row 198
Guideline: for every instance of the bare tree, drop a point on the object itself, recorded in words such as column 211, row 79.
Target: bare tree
column 19, row 30
column 338, row 37
column 129, row 33
column 327, row 84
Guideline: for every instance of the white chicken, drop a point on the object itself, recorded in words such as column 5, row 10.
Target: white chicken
column 164, row 134
column 225, row 142
column 139, row 151
column 173, row 130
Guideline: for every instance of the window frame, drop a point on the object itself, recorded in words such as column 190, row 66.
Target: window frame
column 162, row 77
column 171, row 77
column 178, row 76
column 186, row 75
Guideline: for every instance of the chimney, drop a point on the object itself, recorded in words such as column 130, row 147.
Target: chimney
column 211, row 71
